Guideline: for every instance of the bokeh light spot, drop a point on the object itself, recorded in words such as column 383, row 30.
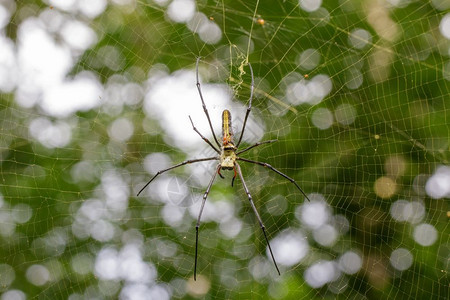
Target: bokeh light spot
column 350, row 262
column 21, row 213
column 13, row 295
column 156, row 161
column 385, row 187
column 7, row 275
column 325, row 235
column 354, row 78
column 289, row 248
column 444, row 26
column 198, row 288
column 313, row 214
column 359, row 38
column 121, row 130
column 321, row 273
column 38, row 275
column 438, row 185
column 425, row 234
column 401, row 259
column 395, row 166
column 441, row 4
column 309, row 59
column 322, row 118
column 82, row 263
column 210, row 32
column 181, row 11
column 310, row 5
column 49, row 134
column 345, row 114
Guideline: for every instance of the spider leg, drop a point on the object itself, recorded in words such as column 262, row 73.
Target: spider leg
column 263, row 228
column 205, row 139
column 266, row 165
column 176, row 166
column 203, row 103
column 255, row 145
column 200, row 215
column 234, row 177
column 249, row 108
column 218, row 172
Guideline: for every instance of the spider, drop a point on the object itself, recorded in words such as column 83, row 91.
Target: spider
column 227, row 155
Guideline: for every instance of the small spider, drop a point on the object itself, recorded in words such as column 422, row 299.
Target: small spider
column 227, row 155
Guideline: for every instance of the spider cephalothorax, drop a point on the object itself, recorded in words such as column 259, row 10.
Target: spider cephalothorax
column 227, row 155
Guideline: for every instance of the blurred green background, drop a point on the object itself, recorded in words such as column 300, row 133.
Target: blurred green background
column 95, row 98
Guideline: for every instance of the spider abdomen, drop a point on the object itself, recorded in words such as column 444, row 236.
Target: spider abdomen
column 228, row 153
column 227, row 130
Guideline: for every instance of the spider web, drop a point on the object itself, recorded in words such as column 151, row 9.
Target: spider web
column 95, row 101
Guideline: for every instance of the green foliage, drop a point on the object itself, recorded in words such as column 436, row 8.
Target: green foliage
column 401, row 114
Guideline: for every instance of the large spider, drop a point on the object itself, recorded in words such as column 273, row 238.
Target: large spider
column 227, row 155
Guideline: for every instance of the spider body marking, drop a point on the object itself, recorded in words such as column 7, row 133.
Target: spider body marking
column 227, row 155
